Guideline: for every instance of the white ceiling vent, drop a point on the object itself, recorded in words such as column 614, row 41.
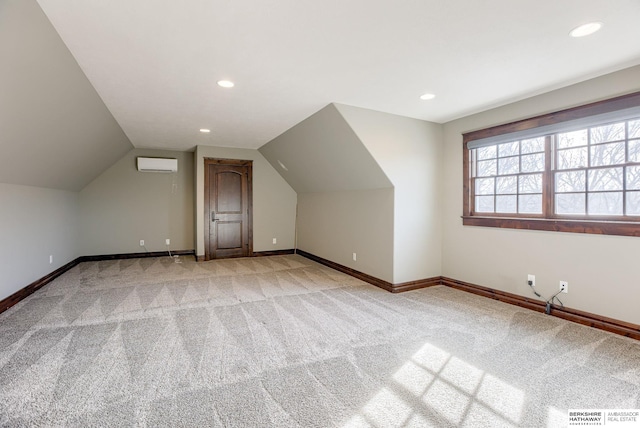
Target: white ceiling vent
column 157, row 164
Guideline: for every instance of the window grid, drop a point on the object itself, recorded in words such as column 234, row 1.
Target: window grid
column 502, row 171
column 589, row 211
column 627, row 158
column 597, row 162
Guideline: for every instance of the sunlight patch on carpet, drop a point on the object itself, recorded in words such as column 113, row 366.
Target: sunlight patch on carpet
column 435, row 384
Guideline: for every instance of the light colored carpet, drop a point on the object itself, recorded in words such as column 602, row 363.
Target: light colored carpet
column 285, row 342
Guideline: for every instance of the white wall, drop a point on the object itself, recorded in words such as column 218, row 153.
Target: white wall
column 56, row 130
column 34, row 223
column 345, row 201
column 274, row 201
column 409, row 151
column 601, row 270
column 334, row 225
column 323, row 154
column 123, row 206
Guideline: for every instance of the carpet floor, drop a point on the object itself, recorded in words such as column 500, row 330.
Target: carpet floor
column 285, row 342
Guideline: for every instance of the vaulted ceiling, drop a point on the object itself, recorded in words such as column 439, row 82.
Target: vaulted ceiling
column 83, row 81
column 155, row 63
column 323, row 154
column 55, row 131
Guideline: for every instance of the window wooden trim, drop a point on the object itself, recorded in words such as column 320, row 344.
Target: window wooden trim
column 603, row 225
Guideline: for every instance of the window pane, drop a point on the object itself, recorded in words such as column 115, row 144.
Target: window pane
column 484, row 186
column 572, row 139
column 572, row 158
column 484, row 204
column 530, row 204
column 633, row 203
column 533, row 163
column 572, row 181
column 533, row 145
column 633, row 178
column 570, row 203
column 486, row 168
column 592, row 172
column 607, row 154
column 506, row 204
column 605, row 179
column 530, row 183
column 611, row 132
column 509, row 149
column 509, row 165
column 609, row 203
column 634, row 150
column 634, row 128
column 507, row 185
column 486, row 152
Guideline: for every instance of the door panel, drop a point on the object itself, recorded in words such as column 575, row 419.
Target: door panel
column 229, row 197
column 228, row 232
column 229, row 235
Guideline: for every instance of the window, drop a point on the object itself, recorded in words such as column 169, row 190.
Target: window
column 508, row 177
column 577, row 170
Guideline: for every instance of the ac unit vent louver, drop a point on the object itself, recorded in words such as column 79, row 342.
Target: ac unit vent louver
column 157, row 164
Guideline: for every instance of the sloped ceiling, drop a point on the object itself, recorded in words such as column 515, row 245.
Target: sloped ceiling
column 323, row 154
column 156, row 63
column 402, row 146
column 55, row 131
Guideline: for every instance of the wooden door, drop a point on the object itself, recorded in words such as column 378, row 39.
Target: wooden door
column 228, row 208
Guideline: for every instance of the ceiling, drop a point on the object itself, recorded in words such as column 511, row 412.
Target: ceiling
column 55, row 131
column 155, row 63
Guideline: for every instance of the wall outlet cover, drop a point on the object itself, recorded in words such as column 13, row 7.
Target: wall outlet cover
column 564, row 286
column 531, row 279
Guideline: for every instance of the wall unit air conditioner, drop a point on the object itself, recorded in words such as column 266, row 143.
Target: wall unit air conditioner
column 157, row 164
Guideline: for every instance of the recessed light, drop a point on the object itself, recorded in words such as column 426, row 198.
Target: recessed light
column 205, row 131
column 226, row 83
column 282, row 165
column 585, row 29
column 427, row 96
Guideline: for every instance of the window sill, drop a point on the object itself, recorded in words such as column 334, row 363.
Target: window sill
column 557, row 225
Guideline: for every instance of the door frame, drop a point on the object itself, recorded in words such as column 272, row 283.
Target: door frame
column 207, row 201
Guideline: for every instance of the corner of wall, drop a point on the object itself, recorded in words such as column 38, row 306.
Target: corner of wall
column 274, row 201
column 35, row 224
column 502, row 258
column 123, row 205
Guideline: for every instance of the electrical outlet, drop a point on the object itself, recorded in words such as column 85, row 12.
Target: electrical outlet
column 167, row 241
column 275, row 241
column 142, row 242
column 355, row 258
column 531, row 280
column 564, row 286
column 51, row 259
